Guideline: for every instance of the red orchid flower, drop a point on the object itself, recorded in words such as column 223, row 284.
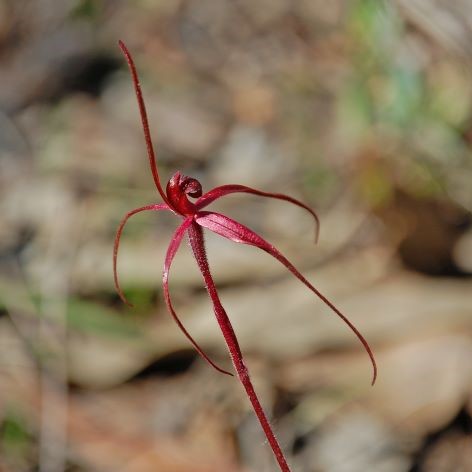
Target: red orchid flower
column 193, row 220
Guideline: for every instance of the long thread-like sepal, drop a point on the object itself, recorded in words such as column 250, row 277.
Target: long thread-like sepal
column 144, row 120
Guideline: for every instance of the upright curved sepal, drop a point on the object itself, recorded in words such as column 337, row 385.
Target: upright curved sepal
column 144, row 120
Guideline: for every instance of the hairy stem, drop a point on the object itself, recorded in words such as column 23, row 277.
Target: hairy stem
column 198, row 247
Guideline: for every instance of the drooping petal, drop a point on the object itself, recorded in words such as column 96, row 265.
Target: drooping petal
column 198, row 246
column 155, row 207
column 230, row 229
column 144, row 120
column 171, row 251
column 218, row 192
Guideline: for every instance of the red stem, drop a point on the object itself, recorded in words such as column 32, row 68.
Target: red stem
column 198, row 246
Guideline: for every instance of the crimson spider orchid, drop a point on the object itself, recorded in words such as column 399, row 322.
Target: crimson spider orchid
column 193, row 220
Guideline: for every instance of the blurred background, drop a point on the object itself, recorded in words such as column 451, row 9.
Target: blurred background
column 362, row 109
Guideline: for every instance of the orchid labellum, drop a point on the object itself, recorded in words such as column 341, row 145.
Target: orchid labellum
column 183, row 197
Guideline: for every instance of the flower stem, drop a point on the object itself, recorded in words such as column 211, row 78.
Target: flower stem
column 198, row 246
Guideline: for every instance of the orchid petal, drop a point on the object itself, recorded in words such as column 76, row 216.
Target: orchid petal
column 154, row 207
column 171, row 251
column 230, row 229
column 219, row 192
column 144, row 121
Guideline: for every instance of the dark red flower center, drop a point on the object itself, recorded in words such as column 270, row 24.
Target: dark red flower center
column 178, row 189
